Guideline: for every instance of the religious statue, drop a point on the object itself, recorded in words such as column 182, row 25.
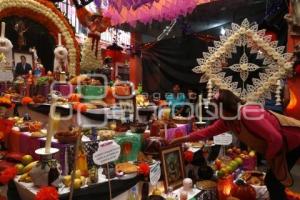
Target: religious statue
column 21, row 29
column 60, row 59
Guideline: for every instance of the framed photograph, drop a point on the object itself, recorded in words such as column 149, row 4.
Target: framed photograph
column 17, row 56
column 172, row 164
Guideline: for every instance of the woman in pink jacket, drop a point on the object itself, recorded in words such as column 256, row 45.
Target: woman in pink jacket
column 275, row 136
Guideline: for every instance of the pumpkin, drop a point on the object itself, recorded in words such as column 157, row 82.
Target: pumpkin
column 243, row 191
column 81, row 107
column 74, row 97
column 109, row 98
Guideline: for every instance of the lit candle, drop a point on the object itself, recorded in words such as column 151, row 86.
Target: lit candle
column 3, row 29
column 53, row 125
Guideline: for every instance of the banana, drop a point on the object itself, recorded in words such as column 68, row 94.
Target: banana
column 29, row 167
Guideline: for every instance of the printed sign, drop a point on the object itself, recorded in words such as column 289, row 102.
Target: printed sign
column 223, row 139
column 155, row 173
column 108, row 151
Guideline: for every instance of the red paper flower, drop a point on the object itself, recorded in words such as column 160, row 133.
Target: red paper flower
column 47, row 193
column 144, row 169
column 5, row 127
column 26, row 100
column 188, row 156
column 7, row 175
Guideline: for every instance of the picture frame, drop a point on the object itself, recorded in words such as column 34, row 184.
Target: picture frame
column 172, row 164
column 28, row 55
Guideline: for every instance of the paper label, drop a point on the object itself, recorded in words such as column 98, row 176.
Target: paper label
column 155, row 173
column 108, row 151
column 223, row 139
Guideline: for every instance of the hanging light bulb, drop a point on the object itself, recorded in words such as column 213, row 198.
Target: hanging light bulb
column 222, row 31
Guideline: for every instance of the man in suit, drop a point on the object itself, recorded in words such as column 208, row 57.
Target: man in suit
column 22, row 67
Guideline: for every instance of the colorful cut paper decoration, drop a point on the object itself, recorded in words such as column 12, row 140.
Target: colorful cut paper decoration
column 153, row 10
column 275, row 63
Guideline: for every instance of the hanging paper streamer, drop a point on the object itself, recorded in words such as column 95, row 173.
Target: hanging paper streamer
column 146, row 11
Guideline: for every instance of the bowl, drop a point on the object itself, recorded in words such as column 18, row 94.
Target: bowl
column 66, row 137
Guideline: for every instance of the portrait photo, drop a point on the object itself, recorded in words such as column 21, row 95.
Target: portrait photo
column 24, row 62
column 172, row 165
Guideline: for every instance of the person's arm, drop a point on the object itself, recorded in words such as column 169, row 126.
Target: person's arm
column 263, row 128
column 216, row 128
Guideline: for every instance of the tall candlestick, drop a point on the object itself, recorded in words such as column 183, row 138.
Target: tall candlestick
column 3, row 29
column 200, row 108
column 59, row 40
column 52, row 128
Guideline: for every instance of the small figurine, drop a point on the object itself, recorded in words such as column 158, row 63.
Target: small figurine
column 187, row 184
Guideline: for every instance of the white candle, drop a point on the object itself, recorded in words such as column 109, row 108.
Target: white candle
column 59, row 39
column 3, row 29
column 52, row 128
column 200, row 108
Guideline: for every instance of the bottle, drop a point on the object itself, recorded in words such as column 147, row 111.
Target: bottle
column 133, row 194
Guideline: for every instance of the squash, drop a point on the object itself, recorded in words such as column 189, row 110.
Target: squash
column 74, row 97
column 80, row 107
column 109, row 98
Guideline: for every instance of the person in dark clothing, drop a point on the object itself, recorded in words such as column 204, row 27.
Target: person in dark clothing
column 22, row 68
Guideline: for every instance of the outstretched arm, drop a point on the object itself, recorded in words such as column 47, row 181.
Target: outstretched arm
column 216, row 128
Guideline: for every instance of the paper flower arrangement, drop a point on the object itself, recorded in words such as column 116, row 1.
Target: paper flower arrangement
column 275, row 63
column 7, row 175
column 47, row 193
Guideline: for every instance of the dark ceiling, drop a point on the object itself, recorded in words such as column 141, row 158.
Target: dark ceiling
column 207, row 18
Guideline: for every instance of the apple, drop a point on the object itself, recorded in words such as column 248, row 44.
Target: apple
column 245, row 152
column 220, row 174
column 77, row 174
column 218, row 164
column 77, row 183
column 239, row 160
column 19, row 168
column 157, row 192
column 234, row 165
column 242, row 156
column 229, row 151
column 238, row 151
column 252, row 153
column 27, row 159
column 67, row 180
column 83, row 180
